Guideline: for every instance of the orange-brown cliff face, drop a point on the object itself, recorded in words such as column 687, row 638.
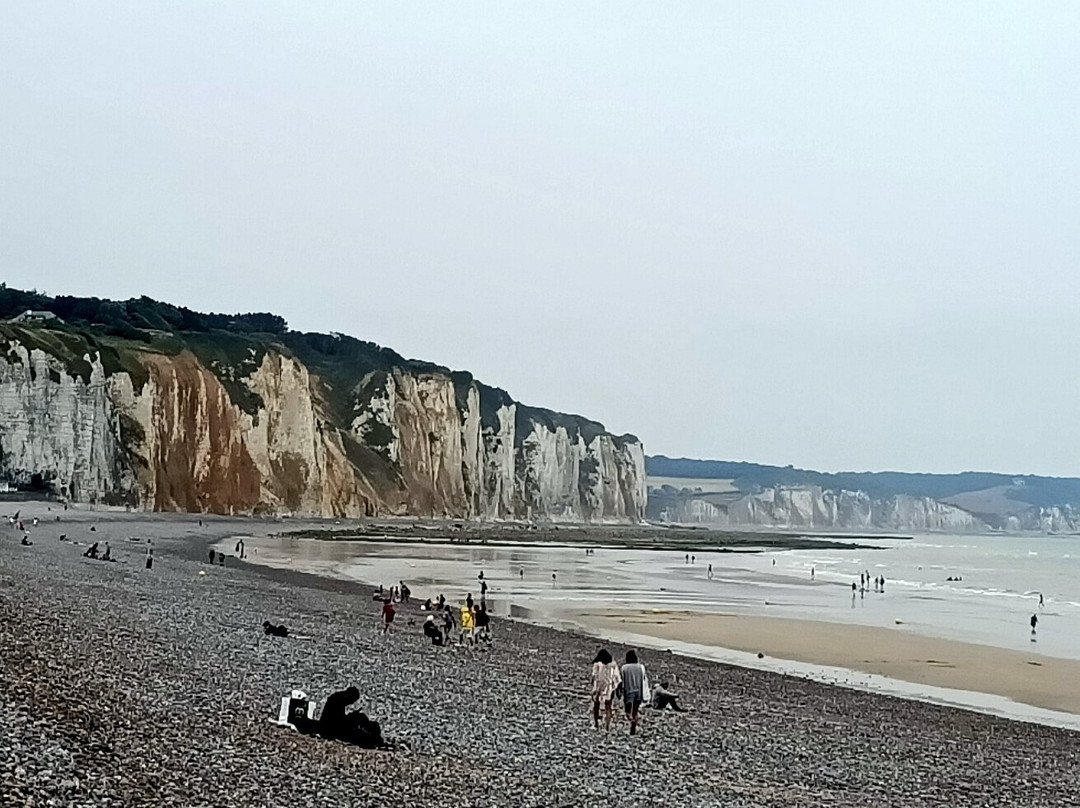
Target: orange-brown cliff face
column 291, row 428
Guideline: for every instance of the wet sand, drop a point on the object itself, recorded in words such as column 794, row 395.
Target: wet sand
column 1027, row 678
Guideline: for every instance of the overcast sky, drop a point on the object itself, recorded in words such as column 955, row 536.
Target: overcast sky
column 838, row 235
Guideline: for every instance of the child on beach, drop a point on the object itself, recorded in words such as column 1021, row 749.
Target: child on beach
column 605, row 681
column 635, row 689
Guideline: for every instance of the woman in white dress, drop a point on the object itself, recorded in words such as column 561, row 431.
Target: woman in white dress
column 605, row 681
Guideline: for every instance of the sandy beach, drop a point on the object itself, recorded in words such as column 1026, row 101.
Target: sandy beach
column 1028, row 678
column 127, row 686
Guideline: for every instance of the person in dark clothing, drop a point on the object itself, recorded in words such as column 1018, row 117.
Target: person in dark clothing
column 274, row 631
column 108, row 553
column 442, row 602
column 483, row 624
column 92, row 552
column 433, row 631
column 213, row 556
column 469, row 601
column 351, row 727
column 25, row 541
column 1034, row 622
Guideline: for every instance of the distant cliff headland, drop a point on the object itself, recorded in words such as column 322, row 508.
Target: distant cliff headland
column 153, row 406
column 732, row 494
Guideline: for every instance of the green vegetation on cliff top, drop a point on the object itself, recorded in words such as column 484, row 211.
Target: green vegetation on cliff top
column 232, row 346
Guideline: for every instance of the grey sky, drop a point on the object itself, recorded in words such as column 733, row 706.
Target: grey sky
column 839, row 235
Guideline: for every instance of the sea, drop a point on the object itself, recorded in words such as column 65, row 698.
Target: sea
column 995, row 588
column 996, row 581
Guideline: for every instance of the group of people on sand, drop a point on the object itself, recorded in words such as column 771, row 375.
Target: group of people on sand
column 628, row 683
column 472, row 626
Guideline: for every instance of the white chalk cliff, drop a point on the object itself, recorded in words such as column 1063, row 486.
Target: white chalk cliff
column 170, row 431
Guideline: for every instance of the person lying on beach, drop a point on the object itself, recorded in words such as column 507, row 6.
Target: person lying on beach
column 274, row 631
column 354, row 727
column 663, row 698
column 605, row 681
column 432, row 631
column 634, row 684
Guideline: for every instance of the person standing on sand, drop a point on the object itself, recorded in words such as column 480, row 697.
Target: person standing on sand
column 468, row 624
column 387, row 614
column 1034, row 622
column 605, row 681
column 634, row 689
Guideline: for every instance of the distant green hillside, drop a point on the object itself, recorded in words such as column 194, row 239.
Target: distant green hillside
column 1043, row 491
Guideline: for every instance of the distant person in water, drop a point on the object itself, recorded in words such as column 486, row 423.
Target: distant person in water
column 1034, row 622
column 1040, row 600
column 853, row 590
column 606, row 679
column 633, row 682
column 521, row 572
column 811, row 573
column 662, row 698
column 710, row 572
column 687, row 558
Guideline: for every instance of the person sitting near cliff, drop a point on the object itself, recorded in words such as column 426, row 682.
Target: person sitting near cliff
column 92, row 551
column 663, row 698
column 274, row 631
column 353, row 727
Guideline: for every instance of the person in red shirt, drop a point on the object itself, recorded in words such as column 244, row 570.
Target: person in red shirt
column 387, row 614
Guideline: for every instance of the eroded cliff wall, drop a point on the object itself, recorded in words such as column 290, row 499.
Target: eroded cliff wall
column 174, row 430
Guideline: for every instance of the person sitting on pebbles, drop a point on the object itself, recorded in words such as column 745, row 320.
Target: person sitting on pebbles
column 662, row 698
column 354, row 727
column 92, row 551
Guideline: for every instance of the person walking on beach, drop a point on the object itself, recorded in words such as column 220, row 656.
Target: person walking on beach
column 635, row 686
column 606, row 679
column 387, row 614
column 1034, row 622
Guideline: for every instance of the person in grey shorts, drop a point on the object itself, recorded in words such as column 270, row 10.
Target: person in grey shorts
column 633, row 682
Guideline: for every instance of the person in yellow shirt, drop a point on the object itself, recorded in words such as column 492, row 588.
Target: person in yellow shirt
column 468, row 625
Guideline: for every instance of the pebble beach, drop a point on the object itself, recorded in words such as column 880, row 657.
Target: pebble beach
column 122, row 686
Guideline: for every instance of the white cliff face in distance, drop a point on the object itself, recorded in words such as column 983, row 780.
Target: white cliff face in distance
column 813, row 507
column 284, row 438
